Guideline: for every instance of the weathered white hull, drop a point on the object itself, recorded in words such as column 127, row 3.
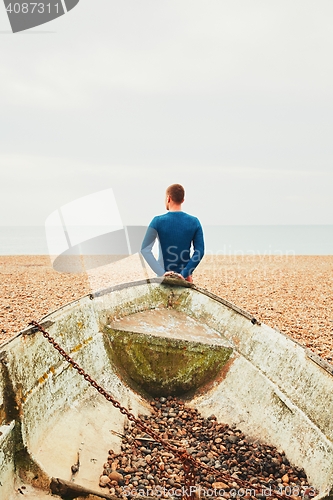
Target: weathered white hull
column 271, row 387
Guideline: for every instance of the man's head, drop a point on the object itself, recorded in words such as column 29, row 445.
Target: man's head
column 174, row 197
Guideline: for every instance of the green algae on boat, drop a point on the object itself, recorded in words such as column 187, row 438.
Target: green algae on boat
column 160, row 365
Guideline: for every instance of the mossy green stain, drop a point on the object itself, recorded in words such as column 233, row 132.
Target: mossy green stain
column 161, row 365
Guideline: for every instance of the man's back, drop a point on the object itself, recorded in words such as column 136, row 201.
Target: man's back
column 176, row 232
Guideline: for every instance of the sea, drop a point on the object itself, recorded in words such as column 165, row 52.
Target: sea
column 222, row 240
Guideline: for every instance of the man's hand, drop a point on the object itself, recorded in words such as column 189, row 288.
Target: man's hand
column 171, row 274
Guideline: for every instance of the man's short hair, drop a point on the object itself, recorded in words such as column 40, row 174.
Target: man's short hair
column 176, row 193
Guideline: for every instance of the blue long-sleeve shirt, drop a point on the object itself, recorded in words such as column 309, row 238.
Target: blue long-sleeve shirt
column 175, row 231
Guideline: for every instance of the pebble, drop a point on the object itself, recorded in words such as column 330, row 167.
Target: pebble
column 258, row 464
column 116, row 476
column 220, row 485
column 104, row 481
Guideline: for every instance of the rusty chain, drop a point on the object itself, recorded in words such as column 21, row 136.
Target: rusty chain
column 190, row 464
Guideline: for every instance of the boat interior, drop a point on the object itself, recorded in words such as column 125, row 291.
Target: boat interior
column 139, row 341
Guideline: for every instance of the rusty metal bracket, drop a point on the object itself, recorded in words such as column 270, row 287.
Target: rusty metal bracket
column 67, row 489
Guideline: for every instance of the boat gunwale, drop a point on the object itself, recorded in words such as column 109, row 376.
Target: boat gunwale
column 315, row 358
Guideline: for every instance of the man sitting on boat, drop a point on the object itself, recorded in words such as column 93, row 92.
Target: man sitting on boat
column 176, row 231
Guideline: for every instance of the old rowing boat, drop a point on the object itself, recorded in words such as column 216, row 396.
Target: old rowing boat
column 143, row 339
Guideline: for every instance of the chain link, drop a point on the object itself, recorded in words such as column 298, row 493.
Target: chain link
column 190, row 464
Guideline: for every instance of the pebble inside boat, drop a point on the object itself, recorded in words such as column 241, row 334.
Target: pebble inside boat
column 146, row 339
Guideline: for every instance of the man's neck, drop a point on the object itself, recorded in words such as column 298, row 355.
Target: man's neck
column 175, row 208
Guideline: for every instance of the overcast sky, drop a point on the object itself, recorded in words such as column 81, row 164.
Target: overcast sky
column 231, row 98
